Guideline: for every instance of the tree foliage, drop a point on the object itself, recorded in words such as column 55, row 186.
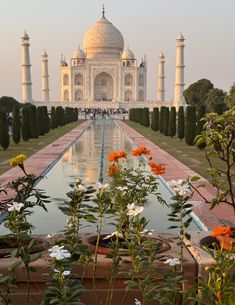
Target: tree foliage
column 172, row 122
column 190, row 125
column 196, row 93
column 25, row 123
column 4, row 134
column 230, row 98
column 181, row 123
column 33, row 122
column 8, row 103
column 166, row 121
column 161, row 120
column 155, row 119
column 16, row 125
column 214, row 98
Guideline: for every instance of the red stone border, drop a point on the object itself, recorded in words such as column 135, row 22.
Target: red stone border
column 221, row 215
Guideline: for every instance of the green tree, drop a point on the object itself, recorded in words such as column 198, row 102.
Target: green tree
column 53, row 118
column 172, row 122
column 146, row 120
column 25, row 124
column 155, row 119
column 197, row 92
column 166, row 121
column 190, row 125
column 181, row 123
column 214, row 98
column 230, row 98
column 4, row 133
column 33, row 121
column 16, row 125
column 8, row 103
column 161, row 120
column 40, row 121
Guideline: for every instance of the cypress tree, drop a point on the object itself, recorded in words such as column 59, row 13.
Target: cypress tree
column 16, row 125
column 25, row 124
column 141, row 116
column 146, row 120
column 181, row 123
column 155, row 119
column 166, row 121
column 40, row 121
column 161, row 120
column 190, row 125
column 172, row 122
column 33, row 121
column 75, row 114
column 4, row 132
column 53, row 118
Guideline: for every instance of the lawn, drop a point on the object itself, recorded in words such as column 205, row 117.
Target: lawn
column 189, row 155
column 33, row 145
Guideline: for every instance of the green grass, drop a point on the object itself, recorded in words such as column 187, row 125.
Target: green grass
column 33, row 145
column 191, row 156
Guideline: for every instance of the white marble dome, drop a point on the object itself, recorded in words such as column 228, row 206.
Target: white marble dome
column 102, row 40
column 127, row 54
column 78, row 54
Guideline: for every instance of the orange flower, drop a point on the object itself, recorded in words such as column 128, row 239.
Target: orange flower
column 113, row 169
column 156, row 169
column 142, row 150
column 116, row 155
column 219, row 295
column 222, row 231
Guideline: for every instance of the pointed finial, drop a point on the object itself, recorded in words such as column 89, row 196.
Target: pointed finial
column 103, row 12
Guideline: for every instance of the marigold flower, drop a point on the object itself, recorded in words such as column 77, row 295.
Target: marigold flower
column 18, row 160
column 222, row 231
column 142, row 150
column 219, row 295
column 156, row 169
column 113, row 169
column 116, row 155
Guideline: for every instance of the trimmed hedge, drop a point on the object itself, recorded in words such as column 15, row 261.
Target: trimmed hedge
column 190, row 125
column 172, row 122
column 16, row 125
column 181, row 123
column 166, row 121
column 4, row 133
column 155, row 119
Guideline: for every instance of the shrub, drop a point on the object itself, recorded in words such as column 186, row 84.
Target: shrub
column 146, row 120
column 190, row 125
column 166, row 121
column 16, row 125
column 181, row 123
column 40, row 121
column 161, row 121
column 200, row 123
column 25, row 123
column 53, row 118
column 4, row 133
column 155, row 119
column 33, row 121
column 172, row 122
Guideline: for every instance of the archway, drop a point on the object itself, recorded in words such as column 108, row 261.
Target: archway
column 103, row 87
column 141, row 80
column 66, row 80
column 141, row 95
column 78, row 80
column 66, row 95
column 78, row 95
column 128, row 96
column 128, row 80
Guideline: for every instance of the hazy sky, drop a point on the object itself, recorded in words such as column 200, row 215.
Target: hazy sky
column 148, row 26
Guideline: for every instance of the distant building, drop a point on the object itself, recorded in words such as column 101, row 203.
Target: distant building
column 104, row 71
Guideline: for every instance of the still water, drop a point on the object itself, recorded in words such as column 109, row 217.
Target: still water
column 87, row 159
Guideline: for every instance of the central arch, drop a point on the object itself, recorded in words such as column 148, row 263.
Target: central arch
column 103, row 87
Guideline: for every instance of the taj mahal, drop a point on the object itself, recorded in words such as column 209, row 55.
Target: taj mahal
column 104, row 74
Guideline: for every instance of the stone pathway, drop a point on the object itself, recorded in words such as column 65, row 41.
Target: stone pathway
column 220, row 215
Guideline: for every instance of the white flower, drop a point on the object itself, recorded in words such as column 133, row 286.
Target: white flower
column 116, row 233
column 81, row 187
column 137, row 302
column 59, row 253
column 64, row 273
column 102, row 186
column 15, row 206
column 147, row 232
column 180, row 186
column 172, row 261
column 134, row 210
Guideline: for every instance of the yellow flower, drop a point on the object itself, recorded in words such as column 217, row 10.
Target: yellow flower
column 18, row 160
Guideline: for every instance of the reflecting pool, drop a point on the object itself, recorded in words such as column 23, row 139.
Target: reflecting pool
column 87, row 159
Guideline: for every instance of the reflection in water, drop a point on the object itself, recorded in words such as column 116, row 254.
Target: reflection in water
column 82, row 160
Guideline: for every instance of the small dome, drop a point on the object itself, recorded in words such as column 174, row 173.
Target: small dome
column 128, row 54
column 103, row 39
column 78, row 54
column 161, row 55
column 44, row 54
column 25, row 36
column 180, row 37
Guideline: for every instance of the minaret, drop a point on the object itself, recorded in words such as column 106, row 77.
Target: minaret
column 45, row 78
column 26, row 75
column 161, row 79
column 179, row 72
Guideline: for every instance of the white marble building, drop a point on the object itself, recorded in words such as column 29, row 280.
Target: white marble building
column 104, row 72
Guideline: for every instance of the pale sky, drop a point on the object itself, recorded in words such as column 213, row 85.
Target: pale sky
column 148, row 26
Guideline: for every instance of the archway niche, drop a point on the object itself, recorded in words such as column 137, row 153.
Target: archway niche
column 78, row 95
column 103, row 87
column 128, row 96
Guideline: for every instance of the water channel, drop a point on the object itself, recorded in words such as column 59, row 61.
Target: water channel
column 87, row 159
